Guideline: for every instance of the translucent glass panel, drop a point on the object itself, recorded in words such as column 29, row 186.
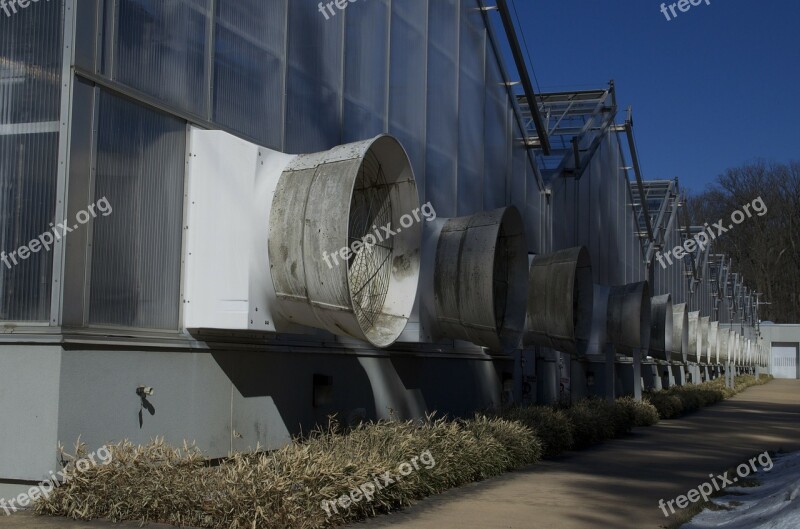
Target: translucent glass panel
column 28, row 165
column 315, row 77
column 497, row 144
column 30, row 81
column 441, row 159
column 249, row 68
column 365, row 70
column 471, row 108
column 136, row 257
column 161, row 50
column 408, row 85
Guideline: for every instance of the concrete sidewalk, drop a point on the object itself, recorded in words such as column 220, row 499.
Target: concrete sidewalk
column 615, row 485
column 618, row 484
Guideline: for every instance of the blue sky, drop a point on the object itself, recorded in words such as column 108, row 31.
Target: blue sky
column 716, row 87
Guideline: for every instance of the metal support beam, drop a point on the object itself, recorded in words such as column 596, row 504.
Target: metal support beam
column 638, row 172
column 522, row 69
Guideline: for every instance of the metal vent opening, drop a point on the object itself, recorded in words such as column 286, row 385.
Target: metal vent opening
column 370, row 266
column 334, row 266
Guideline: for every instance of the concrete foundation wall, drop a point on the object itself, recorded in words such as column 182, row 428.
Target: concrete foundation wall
column 29, row 393
column 221, row 399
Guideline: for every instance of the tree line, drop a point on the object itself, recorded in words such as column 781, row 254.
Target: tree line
column 765, row 249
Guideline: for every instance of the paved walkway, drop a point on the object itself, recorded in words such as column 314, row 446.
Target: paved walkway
column 615, row 485
column 618, row 484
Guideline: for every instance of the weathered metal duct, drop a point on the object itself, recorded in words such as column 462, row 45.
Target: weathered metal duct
column 661, row 327
column 560, row 295
column 481, row 279
column 323, row 203
column 742, row 350
column 732, row 347
column 695, row 340
column 629, row 317
column 713, row 342
column 680, row 333
column 599, row 327
column 704, row 355
column 724, row 338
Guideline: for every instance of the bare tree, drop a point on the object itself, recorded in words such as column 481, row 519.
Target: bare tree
column 765, row 248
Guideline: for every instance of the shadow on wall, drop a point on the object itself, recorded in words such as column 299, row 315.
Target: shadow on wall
column 306, row 388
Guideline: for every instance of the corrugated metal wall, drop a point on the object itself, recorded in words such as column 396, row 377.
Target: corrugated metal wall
column 596, row 211
column 424, row 71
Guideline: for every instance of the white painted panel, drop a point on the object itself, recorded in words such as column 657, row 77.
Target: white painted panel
column 230, row 185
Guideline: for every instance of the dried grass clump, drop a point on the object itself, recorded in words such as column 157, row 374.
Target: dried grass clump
column 678, row 400
column 667, row 405
column 743, row 382
column 551, row 425
column 641, row 413
column 518, row 445
column 593, row 421
column 584, row 423
column 285, row 488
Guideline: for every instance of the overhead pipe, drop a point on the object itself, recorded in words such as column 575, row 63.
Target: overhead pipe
column 522, row 69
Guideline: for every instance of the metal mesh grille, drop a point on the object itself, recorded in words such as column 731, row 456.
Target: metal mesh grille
column 369, row 269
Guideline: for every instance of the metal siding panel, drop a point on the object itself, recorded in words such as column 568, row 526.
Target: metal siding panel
column 496, row 142
column 518, row 184
column 250, row 68
column 536, row 220
column 408, row 81
column 161, row 50
column 471, row 103
column 441, row 159
column 596, row 222
column 314, row 80
column 136, row 255
column 365, row 70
